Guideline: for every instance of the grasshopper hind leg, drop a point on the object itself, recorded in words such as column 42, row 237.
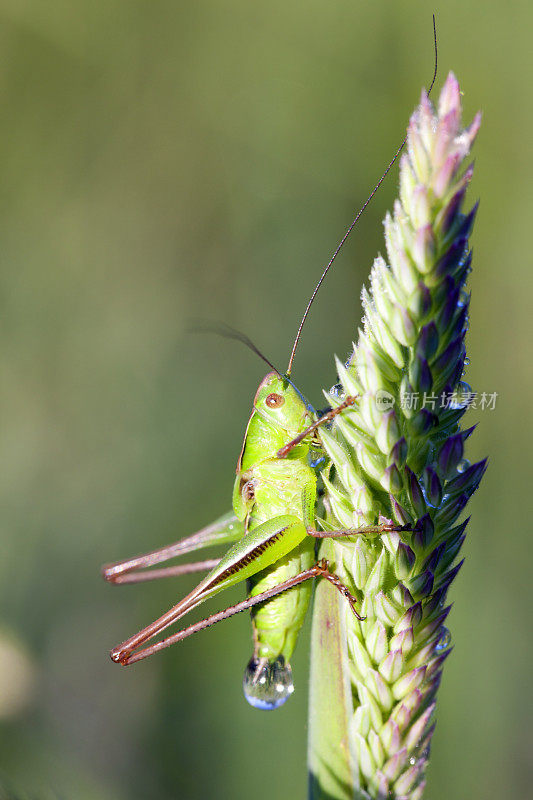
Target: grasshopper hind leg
column 226, row 529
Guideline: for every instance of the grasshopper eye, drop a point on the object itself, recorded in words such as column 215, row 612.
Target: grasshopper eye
column 275, row 400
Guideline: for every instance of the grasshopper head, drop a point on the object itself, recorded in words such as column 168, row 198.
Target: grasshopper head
column 279, row 415
column 277, row 402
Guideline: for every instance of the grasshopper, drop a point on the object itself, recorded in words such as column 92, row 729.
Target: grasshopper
column 272, row 530
column 273, row 533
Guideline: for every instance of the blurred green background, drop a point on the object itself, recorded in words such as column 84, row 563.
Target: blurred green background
column 165, row 161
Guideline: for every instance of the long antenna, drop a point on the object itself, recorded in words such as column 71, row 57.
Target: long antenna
column 221, row 329
column 357, row 216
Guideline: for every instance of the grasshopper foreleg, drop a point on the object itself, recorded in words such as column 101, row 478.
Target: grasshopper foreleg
column 325, row 418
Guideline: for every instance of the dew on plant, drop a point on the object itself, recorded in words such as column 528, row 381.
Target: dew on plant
column 427, row 498
column 444, row 642
column 337, row 391
column 464, row 298
column 461, row 397
column 267, row 685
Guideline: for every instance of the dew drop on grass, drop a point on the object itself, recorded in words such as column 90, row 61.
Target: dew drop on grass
column 337, row 391
column 463, row 465
column 464, row 297
column 267, row 685
column 462, row 396
column 444, row 640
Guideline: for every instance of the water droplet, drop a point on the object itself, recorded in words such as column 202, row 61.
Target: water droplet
column 267, row 685
column 463, row 465
column 419, row 754
column 456, row 403
column 467, row 361
column 337, row 391
column 462, row 396
column 445, row 640
column 464, row 297
column 426, row 497
column 316, row 462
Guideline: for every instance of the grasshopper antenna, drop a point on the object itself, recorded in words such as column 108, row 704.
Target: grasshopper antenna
column 356, row 219
column 222, row 329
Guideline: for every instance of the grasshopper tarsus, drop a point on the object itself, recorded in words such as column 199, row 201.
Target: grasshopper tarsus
column 117, row 657
column 325, row 572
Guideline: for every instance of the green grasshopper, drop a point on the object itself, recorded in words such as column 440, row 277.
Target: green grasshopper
column 272, row 530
